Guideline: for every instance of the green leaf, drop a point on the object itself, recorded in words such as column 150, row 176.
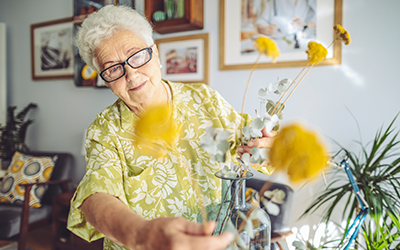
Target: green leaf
column 376, row 169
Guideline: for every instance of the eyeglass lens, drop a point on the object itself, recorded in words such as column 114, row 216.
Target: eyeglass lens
column 136, row 60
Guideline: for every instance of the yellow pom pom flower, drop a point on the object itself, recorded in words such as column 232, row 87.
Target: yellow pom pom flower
column 342, row 34
column 156, row 127
column 298, row 152
column 267, row 46
column 316, row 52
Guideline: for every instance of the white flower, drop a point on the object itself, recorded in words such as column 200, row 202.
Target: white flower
column 283, row 85
column 271, row 208
column 259, row 155
column 270, row 122
column 216, row 144
column 254, row 130
column 276, row 195
column 264, row 91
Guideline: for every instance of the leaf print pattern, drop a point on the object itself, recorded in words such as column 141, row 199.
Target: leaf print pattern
column 155, row 187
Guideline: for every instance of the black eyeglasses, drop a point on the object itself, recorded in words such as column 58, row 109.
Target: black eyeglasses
column 135, row 61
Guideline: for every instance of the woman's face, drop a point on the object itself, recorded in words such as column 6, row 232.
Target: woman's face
column 138, row 87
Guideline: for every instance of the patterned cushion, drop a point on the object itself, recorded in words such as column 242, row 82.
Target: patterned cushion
column 26, row 169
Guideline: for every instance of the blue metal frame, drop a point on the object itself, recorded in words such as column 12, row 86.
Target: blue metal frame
column 357, row 223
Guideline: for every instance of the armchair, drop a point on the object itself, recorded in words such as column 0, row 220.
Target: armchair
column 17, row 220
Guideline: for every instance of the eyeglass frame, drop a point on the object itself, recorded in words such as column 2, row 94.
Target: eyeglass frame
column 149, row 50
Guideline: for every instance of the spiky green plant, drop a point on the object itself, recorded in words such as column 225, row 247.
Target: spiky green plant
column 12, row 135
column 386, row 236
column 376, row 170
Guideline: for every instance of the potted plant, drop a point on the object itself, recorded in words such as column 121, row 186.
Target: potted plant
column 376, row 170
column 13, row 133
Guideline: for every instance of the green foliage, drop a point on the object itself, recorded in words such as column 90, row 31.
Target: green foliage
column 271, row 105
column 384, row 236
column 376, row 171
column 12, row 135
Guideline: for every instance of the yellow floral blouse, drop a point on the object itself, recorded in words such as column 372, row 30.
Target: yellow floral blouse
column 154, row 187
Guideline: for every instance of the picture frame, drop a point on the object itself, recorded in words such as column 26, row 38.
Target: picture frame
column 52, row 49
column 236, row 34
column 84, row 76
column 83, row 8
column 185, row 58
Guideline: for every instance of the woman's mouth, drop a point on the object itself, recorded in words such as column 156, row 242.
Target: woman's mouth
column 138, row 87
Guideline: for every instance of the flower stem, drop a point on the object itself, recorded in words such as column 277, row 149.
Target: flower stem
column 222, row 204
column 245, row 93
column 331, row 44
column 284, row 93
column 295, row 88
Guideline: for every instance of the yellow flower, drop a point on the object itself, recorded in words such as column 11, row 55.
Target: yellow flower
column 156, row 127
column 298, row 152
column 342, row 34
column 267, row 46
column 316, row 52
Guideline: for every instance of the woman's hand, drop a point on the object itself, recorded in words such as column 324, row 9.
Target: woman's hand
column 264, row 142
column 180, row 234
column 124, row 227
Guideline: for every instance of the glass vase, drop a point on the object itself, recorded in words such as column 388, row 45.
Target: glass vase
column 233, row 204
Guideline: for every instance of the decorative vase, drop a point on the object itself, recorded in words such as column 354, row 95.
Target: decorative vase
column 180, row 8
column 233, row 204
column 170, row 9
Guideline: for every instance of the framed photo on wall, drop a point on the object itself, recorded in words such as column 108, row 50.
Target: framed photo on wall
column 184, row 59
column 291, row 26
column 52, row 50
column 84, row 76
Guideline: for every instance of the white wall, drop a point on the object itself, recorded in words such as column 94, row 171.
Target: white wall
column 366, row 83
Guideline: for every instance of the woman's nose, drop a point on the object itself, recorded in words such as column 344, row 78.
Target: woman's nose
column 130, row 72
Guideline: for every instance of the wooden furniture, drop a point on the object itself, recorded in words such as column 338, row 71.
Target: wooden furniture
column 192, row 20
column 17, row 220
column 62, row 238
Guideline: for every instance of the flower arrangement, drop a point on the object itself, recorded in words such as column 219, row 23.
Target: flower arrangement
column 295, row 151
column 215, row 143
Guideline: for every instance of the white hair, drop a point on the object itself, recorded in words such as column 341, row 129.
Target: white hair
column 102, row 24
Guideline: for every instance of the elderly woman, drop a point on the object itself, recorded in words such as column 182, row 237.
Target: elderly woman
column 135, row 200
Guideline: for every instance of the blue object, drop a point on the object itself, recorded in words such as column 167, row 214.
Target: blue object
column 357, row 223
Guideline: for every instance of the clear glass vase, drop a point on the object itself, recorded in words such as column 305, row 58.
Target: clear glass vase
column 233, row 204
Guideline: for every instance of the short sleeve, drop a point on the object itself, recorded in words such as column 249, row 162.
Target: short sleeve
column 230, row 120
column 103, row 174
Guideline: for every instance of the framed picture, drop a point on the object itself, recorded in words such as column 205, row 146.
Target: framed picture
column 129, row 3
column 83, row 8
column 185, row 58
column 290, row 26
column 52, row 50
column 84, row 76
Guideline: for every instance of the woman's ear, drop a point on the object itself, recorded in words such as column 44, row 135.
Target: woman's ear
column 155, row 49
